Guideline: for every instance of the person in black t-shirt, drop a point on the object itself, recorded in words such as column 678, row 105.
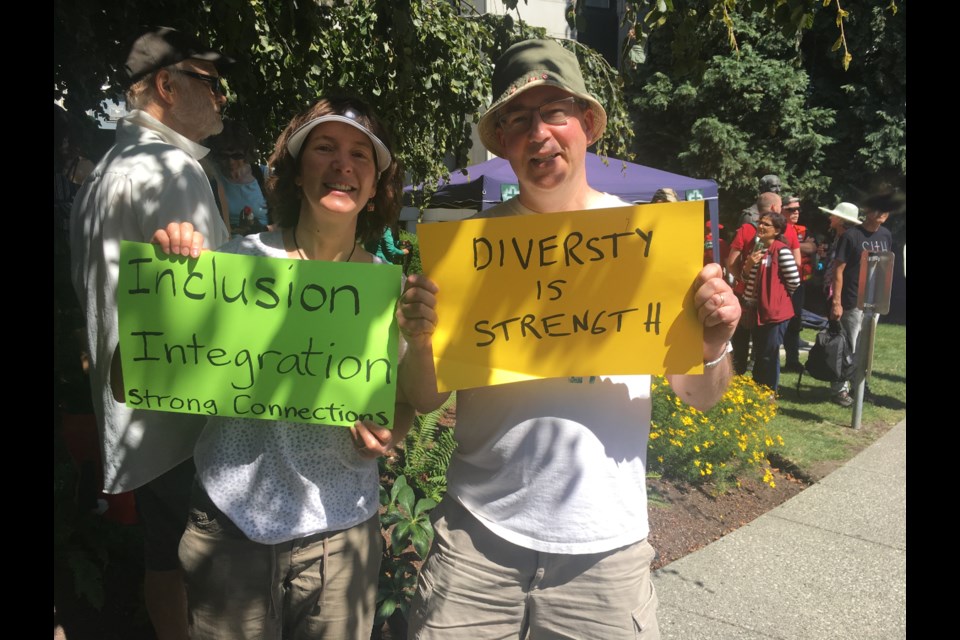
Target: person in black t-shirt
column 869, row 236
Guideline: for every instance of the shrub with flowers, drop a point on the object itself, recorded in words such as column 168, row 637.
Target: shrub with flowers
column 718, row 446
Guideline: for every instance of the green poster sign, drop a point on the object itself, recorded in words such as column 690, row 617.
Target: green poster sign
column 231, row 335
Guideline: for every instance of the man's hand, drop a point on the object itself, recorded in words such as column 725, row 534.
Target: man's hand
column 717, row 309
column 416, row 311
column 836, row 309
column 179, row 239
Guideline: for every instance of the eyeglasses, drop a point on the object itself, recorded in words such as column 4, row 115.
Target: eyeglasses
column 214, row 82
column 791, row 209
column 235, row 155
column 764, row 224
column 555, row 112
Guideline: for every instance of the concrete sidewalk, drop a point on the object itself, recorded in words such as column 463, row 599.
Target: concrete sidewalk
column 829, row 563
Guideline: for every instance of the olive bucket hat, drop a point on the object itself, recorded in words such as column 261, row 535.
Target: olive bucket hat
column 533, row 63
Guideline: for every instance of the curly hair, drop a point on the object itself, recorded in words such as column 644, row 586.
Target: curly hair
column 284, row 195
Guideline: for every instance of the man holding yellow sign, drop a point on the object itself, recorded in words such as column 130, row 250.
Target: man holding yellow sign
column 545, row 521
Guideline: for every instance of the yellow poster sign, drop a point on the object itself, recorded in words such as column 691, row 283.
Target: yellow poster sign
column 601, row 292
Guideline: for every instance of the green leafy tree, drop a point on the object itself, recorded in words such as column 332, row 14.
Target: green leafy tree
column 730, row 116
column 870, row 98
column 425, row 64
column 642, row 18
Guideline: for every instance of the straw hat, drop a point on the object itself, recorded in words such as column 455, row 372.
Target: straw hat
column 845, row 210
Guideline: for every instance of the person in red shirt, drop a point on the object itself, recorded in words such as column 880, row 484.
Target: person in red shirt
column 742, row 245
column 708, row 246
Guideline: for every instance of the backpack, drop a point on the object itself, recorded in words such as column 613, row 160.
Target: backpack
column 830, row 358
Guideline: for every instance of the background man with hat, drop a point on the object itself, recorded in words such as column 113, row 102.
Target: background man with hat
column 868, row 235
column 543, row 530
column 149, row 178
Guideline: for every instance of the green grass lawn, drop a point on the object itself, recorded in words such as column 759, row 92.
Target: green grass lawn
column 817, row 433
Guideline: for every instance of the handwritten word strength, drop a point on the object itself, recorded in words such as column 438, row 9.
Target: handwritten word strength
column 263, row 291
column 573, row 248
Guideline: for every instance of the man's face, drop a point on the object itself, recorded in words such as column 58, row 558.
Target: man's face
column 197, row 106
column 876, row 217
column 872, row 219
column 792, row 212
column 542, row 155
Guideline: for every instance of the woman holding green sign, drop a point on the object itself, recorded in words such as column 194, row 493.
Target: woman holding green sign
column 284, row 537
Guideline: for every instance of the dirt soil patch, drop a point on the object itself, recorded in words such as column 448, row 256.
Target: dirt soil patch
column 685, row 518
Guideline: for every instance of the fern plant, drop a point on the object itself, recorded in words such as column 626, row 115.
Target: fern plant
column 427, row 452
column 412, row 484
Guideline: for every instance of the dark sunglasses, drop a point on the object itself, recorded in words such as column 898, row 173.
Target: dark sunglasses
column 791, row 209
column 214, row 82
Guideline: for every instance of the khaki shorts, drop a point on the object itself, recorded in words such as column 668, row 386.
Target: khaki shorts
column 321, row 586
column 476, row 585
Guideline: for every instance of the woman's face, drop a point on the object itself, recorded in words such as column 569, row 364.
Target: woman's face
column 765, row 230
column 232, row 159
column 338, row 169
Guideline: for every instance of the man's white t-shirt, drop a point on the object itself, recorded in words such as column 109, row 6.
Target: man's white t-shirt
column 555, row 465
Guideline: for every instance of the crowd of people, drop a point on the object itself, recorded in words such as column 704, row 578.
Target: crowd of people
column 270, row 529
column 773, row 259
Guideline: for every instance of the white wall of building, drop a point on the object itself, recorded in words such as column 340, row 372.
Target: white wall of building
column 548, row 14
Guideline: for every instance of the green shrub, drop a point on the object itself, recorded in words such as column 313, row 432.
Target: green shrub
column 414, row 265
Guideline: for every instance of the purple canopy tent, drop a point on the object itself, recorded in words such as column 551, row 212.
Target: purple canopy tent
column 486, row 183
column 480, row 188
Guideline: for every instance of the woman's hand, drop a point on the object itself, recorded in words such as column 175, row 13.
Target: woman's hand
column 372, row 441
column 750, row 261
column 179, row 239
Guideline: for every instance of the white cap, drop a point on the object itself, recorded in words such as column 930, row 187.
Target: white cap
column 350, row 117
